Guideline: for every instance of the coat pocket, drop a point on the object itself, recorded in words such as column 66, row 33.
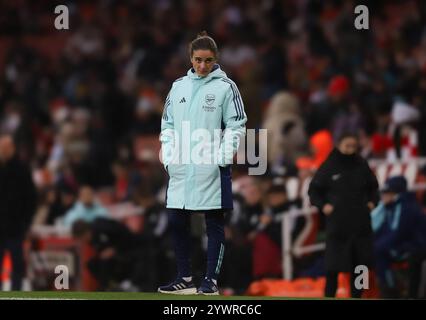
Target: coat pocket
column 206, row 176
column 176, row 171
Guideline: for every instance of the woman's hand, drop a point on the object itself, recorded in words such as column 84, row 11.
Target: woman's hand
column 327, row 209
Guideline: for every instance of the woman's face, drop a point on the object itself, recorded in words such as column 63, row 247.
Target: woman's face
column 203, row 62
column 348, row 146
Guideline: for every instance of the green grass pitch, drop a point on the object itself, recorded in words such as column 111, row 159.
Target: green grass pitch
column 59, row 295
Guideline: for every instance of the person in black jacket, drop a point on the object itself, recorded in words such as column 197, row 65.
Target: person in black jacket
column 17, row 206
column 345, row 189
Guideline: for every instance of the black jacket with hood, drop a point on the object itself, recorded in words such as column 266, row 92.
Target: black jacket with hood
column 348, row 184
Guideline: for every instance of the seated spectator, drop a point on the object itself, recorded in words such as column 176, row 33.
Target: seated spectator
column 267, row 244
column 154, row 232
column 399, row 228
column 120, row 261
column 277, row 203
column 252, row 208
column 243, row 225
column 55, row 204
column 155, row 221
column 86, row 208
column 236, row 273
column 262, row 232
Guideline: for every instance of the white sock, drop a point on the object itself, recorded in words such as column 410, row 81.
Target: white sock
column 187, row 279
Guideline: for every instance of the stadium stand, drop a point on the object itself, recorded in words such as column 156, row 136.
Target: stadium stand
column 84, row 106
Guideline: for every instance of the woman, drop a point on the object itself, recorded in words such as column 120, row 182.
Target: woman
column 200, row 105
column 345, row 189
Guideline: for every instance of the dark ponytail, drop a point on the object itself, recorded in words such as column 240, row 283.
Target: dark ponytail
column 203, row 42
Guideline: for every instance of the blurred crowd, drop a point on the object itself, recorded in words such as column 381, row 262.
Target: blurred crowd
column 77, row 100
